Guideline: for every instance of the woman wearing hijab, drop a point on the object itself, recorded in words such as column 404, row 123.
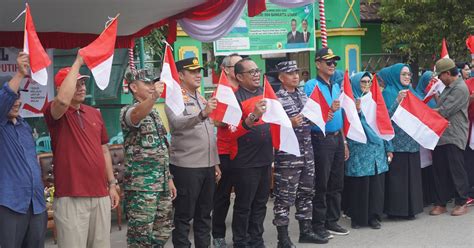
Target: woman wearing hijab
column 365, row 169
column 425, row 154
column 403, row 190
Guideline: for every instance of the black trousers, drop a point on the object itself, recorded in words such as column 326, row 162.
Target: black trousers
column 195, row 188
column 449, row 175
column 329, row 178
column 22, row 230
column 469, row 167
column 365, row 198
column 252, row 189
column 222, row 198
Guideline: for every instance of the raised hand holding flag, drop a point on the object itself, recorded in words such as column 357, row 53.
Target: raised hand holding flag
column 172, row 92
column 317, row 109
column 352, row 126
column 228, row 109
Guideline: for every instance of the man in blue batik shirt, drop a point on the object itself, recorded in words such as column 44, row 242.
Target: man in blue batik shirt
column 23, row 214
column 330, row 150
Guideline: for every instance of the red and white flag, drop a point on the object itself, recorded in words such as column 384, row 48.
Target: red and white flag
column 99, row 55
column 419, row 121
column 283, row 135
column 172, row 92
column 228, row 108
column 317, row 109
column 352, row 126
column 444, row 49
column 435, row 86
column 470, row 44
column 376, row 113
column 39, row 59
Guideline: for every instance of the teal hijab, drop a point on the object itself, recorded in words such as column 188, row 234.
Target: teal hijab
column 421, row 87
column 391, row 76
column 372, row 137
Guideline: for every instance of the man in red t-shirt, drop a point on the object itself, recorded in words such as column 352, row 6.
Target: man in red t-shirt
column 83, row 177
column 224, row 146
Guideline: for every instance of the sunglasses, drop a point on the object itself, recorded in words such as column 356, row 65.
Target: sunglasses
column 329, row 62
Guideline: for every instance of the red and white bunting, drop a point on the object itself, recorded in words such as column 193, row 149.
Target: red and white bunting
column 376, row 113
column 317, row 109
column 172, row 92
column 98, row 55
column 283, row 135
column 352, row 126
column 228, row 108
column 39, row 59
column 419, row 121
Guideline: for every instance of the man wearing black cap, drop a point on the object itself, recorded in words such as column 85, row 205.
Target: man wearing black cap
column 448, row 160
column 23, row 214
column 294, row 175
column 330, row 151
column 194, row 162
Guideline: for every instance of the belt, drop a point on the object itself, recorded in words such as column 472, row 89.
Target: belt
column 327, row 133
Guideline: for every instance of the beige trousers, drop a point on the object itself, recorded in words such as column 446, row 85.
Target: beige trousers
column 82, row 222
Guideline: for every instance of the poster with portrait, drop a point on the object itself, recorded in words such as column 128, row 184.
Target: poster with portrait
column 276, row 30
column 37, row 95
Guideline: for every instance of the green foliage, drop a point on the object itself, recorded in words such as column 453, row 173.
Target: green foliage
column 153, row 43
column 415, row 29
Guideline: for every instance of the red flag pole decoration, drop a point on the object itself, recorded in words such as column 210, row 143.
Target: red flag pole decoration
column 39, row 59
column 375, row 112
column 352, row 126
column 419, row 121
column 99, row 55
column 444, row 49
column 172, row 92
column 322, row 22
column 317, row 109
column 283, row 135
column 228, row 109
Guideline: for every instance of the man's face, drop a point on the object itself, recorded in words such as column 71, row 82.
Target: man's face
column 15, row 110
column 250, row 76
column 326, row 67
column 405, row 76
column 289, row 79
column 304, row 24
column 229, row 70
column 191, row 78
column 80, row 94
column 142, row 90
column 293, row 25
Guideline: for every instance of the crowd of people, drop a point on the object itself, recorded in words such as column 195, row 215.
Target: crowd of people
column 170, row 183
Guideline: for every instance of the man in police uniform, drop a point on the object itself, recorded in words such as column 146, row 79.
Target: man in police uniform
column 294, row 175
column 149, row 187
column 193, row 159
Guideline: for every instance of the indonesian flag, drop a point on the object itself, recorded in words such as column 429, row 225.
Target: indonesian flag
column 375, row 112
column 444, row 49
column 283, row 135
column 228, row 109
column 172, row 92
column 99, row 55
column 419, row 121
column 434, row 87
column 39, row 59
column 352, row 126
column 470, row 45
column 317, row 109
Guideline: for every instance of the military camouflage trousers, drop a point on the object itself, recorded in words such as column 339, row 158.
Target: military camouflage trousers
column 150, row 218
column 293, row 186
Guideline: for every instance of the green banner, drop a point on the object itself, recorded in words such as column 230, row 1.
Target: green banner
column 276, row 30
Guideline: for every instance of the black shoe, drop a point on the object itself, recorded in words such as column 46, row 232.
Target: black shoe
column 307, row 235
column 336, row 229
column 354, row 225
column 284, row 240
column 374, row 224
column 409, row 217
column 322, row 232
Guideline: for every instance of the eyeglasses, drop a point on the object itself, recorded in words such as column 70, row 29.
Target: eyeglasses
column 406, row 74
column 331, row 62
column 366, row 82
column 253, row 72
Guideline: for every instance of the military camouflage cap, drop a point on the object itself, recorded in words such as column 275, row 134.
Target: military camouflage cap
column 287, row 66
column 143, row 75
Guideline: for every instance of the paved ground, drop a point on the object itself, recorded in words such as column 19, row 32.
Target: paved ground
column 425, row 231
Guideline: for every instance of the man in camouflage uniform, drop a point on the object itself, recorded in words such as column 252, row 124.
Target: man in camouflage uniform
column 294, row 175
column 149, row 187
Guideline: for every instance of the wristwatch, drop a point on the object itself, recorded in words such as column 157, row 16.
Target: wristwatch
column 253, row 117
column 113, row 182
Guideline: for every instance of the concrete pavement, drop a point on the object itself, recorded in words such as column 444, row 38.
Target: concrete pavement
column 425, row 231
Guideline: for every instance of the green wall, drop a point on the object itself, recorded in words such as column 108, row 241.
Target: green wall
column 372, row 41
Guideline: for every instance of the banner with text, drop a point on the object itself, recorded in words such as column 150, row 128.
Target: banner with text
column 37, row 96
column 276, row 30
